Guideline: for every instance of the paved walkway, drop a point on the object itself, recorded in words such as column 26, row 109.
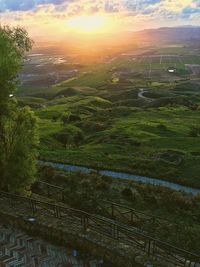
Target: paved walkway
column 17, row 249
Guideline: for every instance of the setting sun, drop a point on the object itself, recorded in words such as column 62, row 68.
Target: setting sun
column 88, row 24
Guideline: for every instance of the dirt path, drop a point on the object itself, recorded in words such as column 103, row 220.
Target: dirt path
column 141, row 95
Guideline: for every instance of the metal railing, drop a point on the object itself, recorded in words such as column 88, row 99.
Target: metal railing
column 118, row 212
column 134, row 217
column 52, row 190
column 107, row 227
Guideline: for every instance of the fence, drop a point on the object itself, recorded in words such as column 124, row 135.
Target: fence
column 107, row 227
column 118, row 212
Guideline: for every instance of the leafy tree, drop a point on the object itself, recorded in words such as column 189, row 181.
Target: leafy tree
column 18, row 127
column 13, row 45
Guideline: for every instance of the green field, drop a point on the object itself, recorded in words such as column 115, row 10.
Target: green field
column 99, row 121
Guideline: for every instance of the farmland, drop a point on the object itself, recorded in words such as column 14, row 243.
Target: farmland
column 153, row 67
column 122, row 112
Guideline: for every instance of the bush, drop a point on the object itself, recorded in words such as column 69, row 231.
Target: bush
column 127, row 193
column 162, row 127
column 102, row 186
column 178, row 199
column 194, row 132
column 92, row 126
column 48, row 173
column 70, row 135
column 107, row 179
column 68, row 118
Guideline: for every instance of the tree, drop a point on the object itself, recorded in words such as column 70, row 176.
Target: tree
column 18, row 127
column 14, row 42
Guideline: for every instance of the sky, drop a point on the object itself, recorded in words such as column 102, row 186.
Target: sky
column 57, row 17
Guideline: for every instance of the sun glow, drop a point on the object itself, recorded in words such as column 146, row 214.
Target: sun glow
column 88, row 24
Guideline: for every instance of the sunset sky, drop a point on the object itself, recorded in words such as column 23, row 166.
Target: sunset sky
column 57, row 17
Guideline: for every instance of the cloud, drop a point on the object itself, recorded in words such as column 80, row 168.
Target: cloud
column 190, row 11
column 144, row 7
column 25, row 5
column 139, row 13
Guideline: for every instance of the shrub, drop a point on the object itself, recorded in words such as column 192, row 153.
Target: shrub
column 68, row 118
column 127, row 193
column 70, row 135
column 107, row 179
column 194, row 132
column 102, row 186
column 48, row 173
column 178, row 199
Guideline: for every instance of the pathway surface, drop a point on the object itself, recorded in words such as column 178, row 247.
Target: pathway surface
column 22, row 250
column 115, row 242
column 141, row 95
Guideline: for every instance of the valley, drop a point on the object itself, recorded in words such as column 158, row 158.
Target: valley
column 128, row 111
column 99, row 133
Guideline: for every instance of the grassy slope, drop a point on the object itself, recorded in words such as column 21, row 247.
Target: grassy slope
column 131, row 143
column 120, row 131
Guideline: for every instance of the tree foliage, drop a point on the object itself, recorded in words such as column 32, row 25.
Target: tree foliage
column 18, row 127
column 14, row 42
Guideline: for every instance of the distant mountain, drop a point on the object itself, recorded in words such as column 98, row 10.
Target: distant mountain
column 175, row 34
column 188, row 26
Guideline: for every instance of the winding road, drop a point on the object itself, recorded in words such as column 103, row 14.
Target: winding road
column 141, row 95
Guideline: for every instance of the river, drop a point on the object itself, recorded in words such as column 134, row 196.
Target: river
column 125, row 176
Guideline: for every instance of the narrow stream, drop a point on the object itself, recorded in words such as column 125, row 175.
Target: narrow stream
column 125, row 176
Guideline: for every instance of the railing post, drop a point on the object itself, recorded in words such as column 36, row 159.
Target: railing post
column 63, row 196
column 189, row 263
column 115, row 231
column 85, row 222
column 131, row 217
column 59, row 215
column 113, row 210
column 32, row 206
column 48, row 191
column 57, row 211
column 11, row 202
column 149, row 247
